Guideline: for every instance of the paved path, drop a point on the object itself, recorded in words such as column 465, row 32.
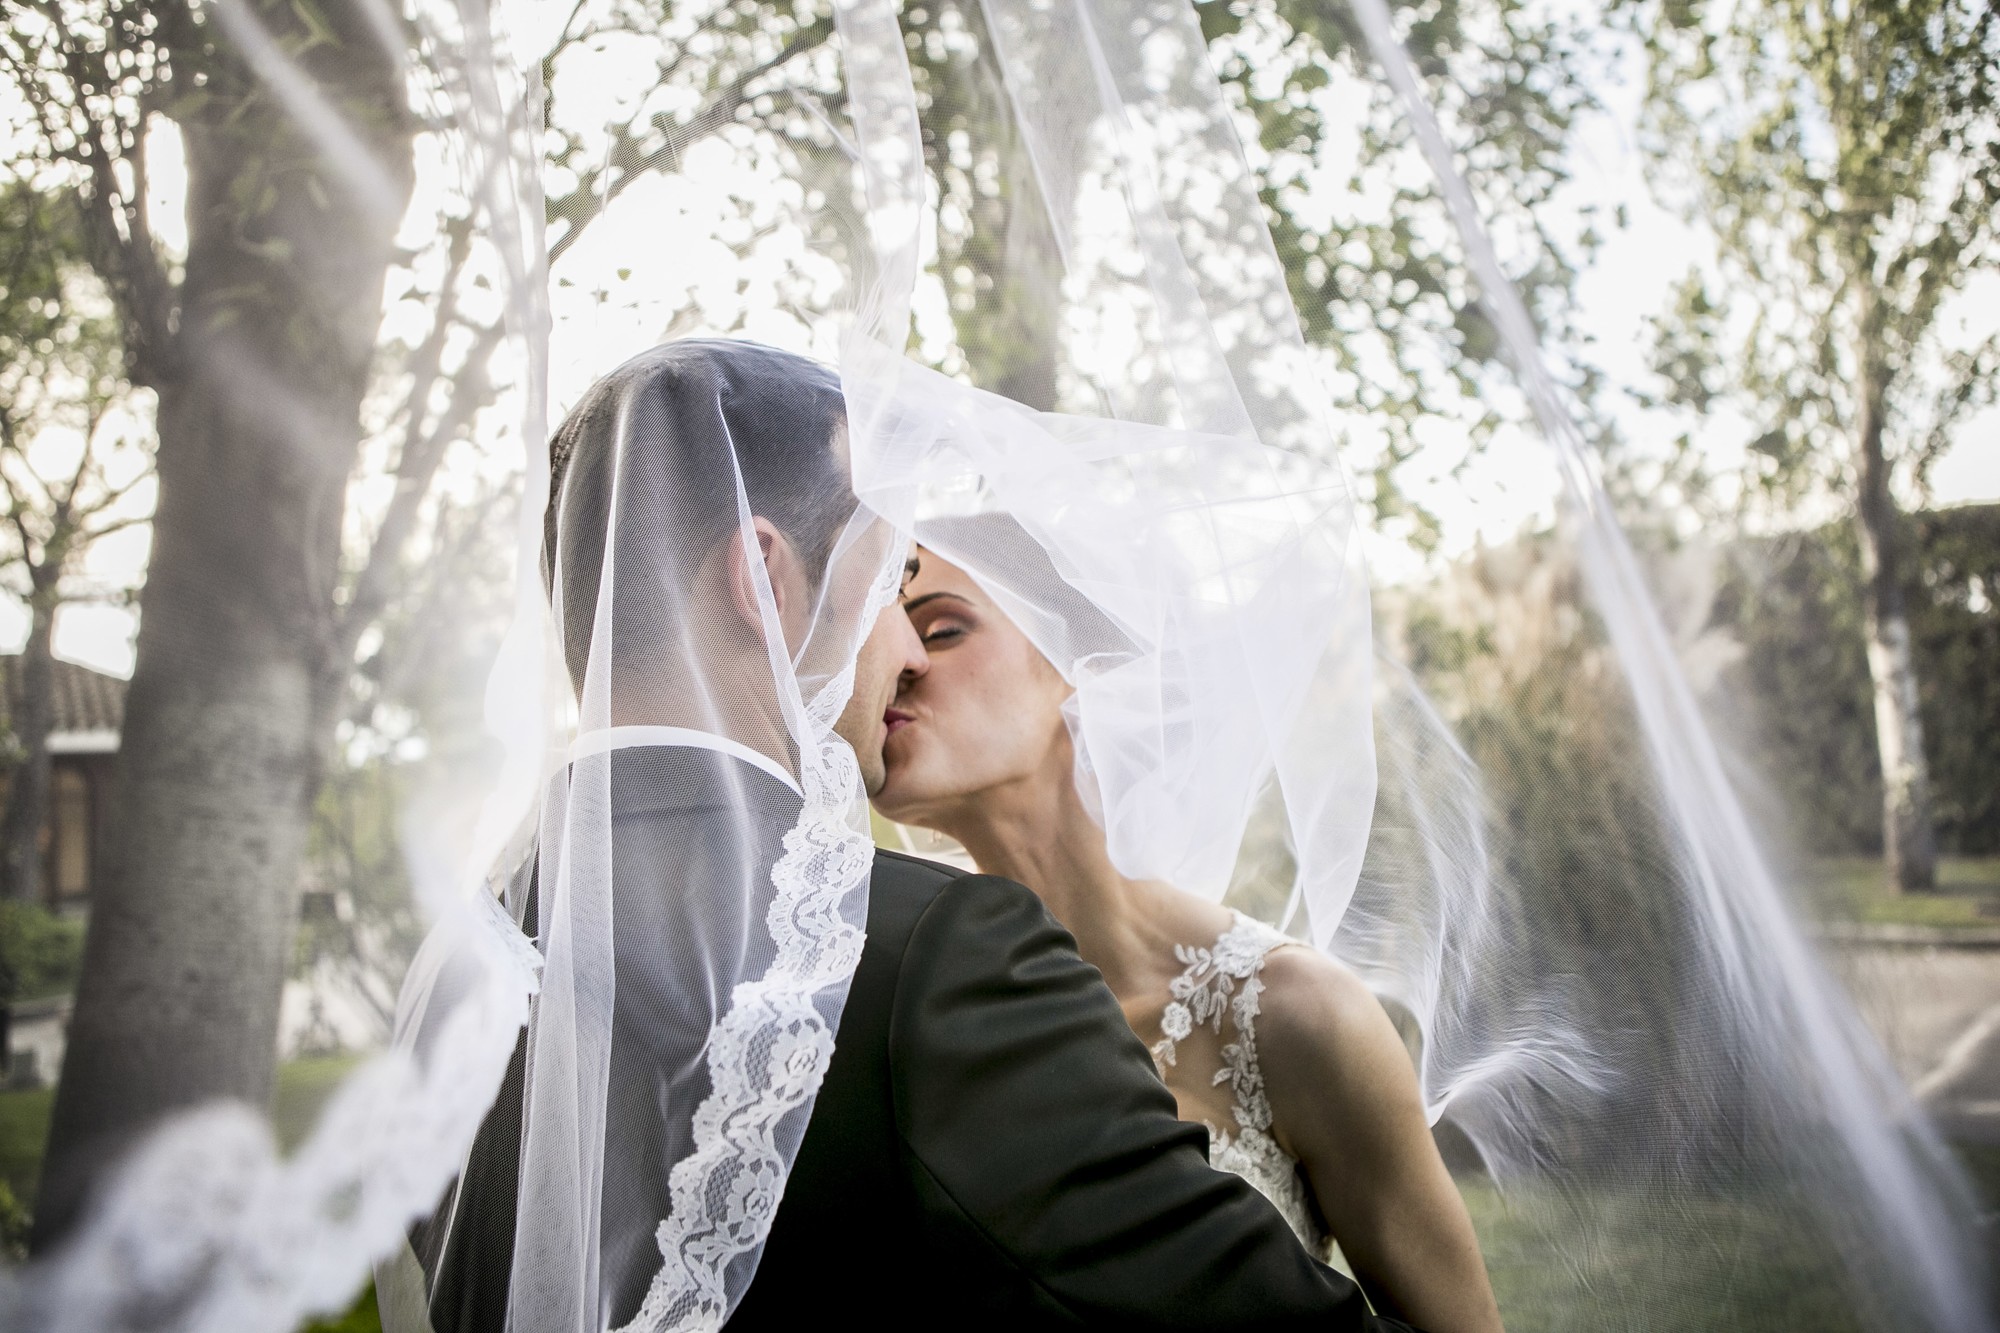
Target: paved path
column 1937, row 1011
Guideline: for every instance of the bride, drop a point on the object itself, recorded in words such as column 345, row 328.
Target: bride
column 1286, row 1057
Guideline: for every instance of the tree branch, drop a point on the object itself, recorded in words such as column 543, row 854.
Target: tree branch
column 119, row 231
column 115, row 525
column 629, row 165
column 413, row 481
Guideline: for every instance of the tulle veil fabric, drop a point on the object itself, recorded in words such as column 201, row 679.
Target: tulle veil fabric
column 1135, row 454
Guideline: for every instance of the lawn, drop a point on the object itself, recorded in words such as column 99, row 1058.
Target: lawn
column 1854, row 888
column 1615, row 1257
column 303, row 1087
column 1721, row 1263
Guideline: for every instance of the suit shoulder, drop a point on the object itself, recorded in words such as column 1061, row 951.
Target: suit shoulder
column 905, row 871
column 992, row 933
column 989, row 902
column 900, row 889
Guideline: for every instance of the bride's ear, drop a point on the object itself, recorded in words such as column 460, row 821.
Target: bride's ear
column 781, row 566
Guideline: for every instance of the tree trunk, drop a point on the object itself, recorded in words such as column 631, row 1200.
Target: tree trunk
column 1908, row 842
column 227, row 717
column 28, row 794
column 1009, row 329
column 1014, row 353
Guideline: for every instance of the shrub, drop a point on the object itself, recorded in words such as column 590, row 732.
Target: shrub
column 41, row 953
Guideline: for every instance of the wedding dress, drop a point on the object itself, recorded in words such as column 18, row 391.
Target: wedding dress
column 1221, row 988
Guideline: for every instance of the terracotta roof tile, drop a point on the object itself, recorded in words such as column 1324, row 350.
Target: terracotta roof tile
column 85, row 700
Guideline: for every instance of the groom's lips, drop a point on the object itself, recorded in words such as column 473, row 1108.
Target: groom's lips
column 894, row 720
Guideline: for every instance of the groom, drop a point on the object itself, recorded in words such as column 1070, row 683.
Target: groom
column 990, row 1147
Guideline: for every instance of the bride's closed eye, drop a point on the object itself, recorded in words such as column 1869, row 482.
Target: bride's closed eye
column 941, row 619
column 943, row 633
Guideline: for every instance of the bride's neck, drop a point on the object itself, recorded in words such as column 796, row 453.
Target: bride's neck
column 1038, row 833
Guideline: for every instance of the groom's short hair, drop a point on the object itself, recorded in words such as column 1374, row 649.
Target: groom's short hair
column 669, row 433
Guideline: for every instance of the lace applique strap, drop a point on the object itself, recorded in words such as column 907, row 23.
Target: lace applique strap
column 1225, row 976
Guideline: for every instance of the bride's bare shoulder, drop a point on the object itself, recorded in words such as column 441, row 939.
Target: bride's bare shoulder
column 1322, row 1032
column 1305, row 992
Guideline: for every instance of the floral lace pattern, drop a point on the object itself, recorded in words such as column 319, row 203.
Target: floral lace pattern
column 1227, row 978
column 768, row 1054
column 210, row 1226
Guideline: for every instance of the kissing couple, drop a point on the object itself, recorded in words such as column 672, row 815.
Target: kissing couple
column 775, row 1076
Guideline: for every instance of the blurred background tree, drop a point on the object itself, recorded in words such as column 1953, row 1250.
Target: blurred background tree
column 286, row 514
column 282, row 287
column 332, row 624
column 1794, row 602
column 75, row 467
column 1367, row 247
column 1846, row 158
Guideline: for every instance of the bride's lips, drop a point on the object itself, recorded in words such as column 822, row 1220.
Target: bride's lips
column 894, row 720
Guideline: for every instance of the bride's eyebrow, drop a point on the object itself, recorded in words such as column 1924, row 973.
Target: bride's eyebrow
column 932, row 597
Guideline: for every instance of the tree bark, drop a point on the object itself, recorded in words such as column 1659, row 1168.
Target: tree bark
column 1908, row 840
column 1011, row 329
column 28, row 794
column 227, row 722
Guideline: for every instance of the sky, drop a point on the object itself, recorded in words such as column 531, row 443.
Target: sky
column 1628, row 282
column 1639, row 264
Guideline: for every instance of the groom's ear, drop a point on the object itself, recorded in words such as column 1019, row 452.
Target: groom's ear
column 782, row 567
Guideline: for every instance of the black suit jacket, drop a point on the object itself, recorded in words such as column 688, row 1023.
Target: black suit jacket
column 991, row 1147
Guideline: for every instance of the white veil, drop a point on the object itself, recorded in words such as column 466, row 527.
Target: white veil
column 1667, row 1114
column 698, row 884
column 668, row 881
column 1628, row 1045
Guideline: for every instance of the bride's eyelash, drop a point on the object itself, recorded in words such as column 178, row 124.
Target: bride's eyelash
column 943, row 632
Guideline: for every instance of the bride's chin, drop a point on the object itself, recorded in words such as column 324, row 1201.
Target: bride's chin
column 902, row 797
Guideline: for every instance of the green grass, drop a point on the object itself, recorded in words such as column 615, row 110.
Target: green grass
column 1616, row 1258
column 303, row 1087
column 1855, row 888
column 361, row 1317
column 24, row 1126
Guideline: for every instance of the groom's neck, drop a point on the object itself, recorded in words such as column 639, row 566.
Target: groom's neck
column 719, row 699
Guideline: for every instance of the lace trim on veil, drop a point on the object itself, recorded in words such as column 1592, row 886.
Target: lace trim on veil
column 768, row 1054
column 262, row 1240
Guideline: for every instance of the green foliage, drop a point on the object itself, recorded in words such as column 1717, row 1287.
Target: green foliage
column 24, row 1128
column 68, row 458
column 57, row 332
column 358, row 919
column 1847, row 160
column 1573, row 833
column 1853, row 888
column 1794, row 603
column 1369, row 254
column 41, row 953
column 14, row 1220
column 1376, row 272
column 364, row 1316
column 1956, row 625
column 1505, row 646
column 1723, row 1260
column 303, row 1088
